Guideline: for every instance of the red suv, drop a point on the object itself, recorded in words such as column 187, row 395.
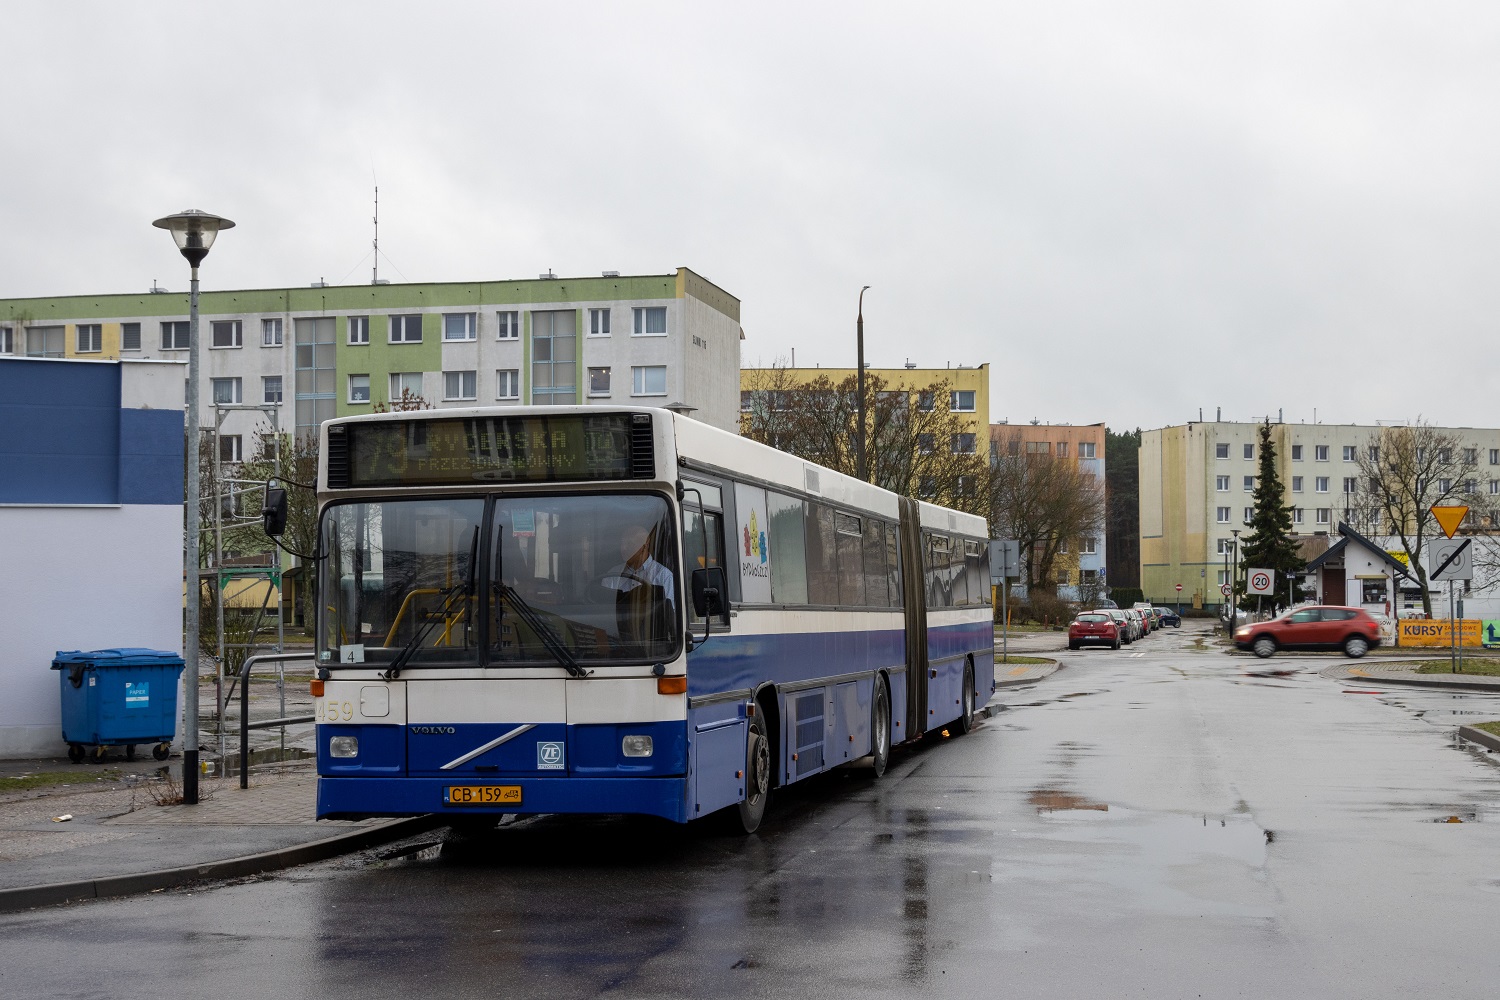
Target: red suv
column 1349, row 629
column 1094, row 628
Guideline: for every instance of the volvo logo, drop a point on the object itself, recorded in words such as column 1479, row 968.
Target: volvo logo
column 434, row 730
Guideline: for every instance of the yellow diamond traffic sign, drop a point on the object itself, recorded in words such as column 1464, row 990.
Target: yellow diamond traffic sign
column 1449, row 518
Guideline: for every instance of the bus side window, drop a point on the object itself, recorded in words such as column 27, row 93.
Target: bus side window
column 893, row 566
column 822, row 556
column 876, row 595
column 958, row 579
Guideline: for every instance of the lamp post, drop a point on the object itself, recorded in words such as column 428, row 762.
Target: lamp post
column 194, row 232
column 861, row 468
column 1234, row 576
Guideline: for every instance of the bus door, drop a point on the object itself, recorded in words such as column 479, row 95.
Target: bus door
column 914, row 605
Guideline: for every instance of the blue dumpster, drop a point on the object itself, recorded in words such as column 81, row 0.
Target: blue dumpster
column 118, row 697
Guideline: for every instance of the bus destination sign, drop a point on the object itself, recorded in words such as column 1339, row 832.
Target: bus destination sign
column 552, row 448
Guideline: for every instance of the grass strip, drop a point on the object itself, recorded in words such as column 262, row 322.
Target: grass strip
column 1493, row 728
column 1482, row 666
column 47, row 779
column 1024, row 659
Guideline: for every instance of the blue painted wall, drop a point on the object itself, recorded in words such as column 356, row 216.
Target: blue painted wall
column 66, row 440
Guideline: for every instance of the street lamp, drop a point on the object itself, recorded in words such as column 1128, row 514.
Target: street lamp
column 860, row 466
column 1234, row 576
column 194, row 232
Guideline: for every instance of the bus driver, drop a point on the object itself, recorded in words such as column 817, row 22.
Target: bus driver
column 646, row 589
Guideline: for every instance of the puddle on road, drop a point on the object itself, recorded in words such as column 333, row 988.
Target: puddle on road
column 1271, row 673
column 1182, row 837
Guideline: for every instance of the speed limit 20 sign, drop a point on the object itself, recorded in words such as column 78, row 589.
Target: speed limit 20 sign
column 1261, row 581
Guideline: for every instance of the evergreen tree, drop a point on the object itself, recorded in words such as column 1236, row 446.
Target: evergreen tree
column 1270, row 543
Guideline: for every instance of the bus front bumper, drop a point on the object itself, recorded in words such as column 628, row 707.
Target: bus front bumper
column 367, row 797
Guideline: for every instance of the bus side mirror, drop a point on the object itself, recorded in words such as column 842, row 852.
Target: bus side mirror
column 710, row 585
column 273, row 514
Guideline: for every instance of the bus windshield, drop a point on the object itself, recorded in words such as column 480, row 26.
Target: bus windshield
column 585, row 578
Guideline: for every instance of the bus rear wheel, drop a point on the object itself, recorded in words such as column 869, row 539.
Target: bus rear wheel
column 966, row 720
column 757, row 776
column 880, row 729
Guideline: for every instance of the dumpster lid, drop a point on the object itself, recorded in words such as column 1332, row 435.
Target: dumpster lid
column 117, row 657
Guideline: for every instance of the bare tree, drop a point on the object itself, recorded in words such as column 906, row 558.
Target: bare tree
column 1043, row 501
column 1404, row 472
column 915, row 444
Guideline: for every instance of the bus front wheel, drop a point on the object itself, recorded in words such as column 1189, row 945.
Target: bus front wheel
column 757, row 776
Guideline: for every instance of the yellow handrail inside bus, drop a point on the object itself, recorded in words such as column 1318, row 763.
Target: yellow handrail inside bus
column 446, row 639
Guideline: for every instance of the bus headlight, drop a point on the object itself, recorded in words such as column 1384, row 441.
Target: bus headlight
column 343, row 746
column 636, row 746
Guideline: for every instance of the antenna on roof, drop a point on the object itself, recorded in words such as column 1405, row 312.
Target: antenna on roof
column 375, row 270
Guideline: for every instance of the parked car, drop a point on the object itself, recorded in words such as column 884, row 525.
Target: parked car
column 1093, row 628
column 1317, row 627
column 1128, row 632
column 1169, row 617
column 1148, row 612
column 1141, row 624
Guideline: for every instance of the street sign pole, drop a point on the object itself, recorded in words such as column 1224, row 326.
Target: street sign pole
column 1452, row 633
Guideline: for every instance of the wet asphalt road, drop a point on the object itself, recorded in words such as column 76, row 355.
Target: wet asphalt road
column 1160, row 821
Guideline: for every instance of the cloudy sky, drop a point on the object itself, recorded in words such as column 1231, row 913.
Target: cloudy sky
column 1131, row 210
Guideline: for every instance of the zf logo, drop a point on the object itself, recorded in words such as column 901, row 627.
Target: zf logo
column 549, row 756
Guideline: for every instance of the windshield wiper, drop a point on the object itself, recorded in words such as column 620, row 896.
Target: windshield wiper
column 464, row 588
column 544, row 632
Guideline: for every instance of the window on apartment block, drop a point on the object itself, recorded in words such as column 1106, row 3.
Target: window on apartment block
column 1296, row 484
column 1297, row 513
column 1321, row 484
column 1351, row 484
column 1062, row 449
column 598, row 381
column 554, row 357
column 460, row 385
column 1320, row 453
column 406, row 386
column 1088, row 545
column 1249, row 484
column 1225, row 546
column 649, row 380
column 406, row 329
column 926, row 444
column 961, row 401
column 1296, row 453
column 44, row 342
column 1249, row 451
column 1325, row 515
column 1471, row 485
column 1495, row 487
column 1374, row 453
column 1038, row 447
column 508, row 325
column 359, row 388
column 1495, row 456
column 270, row 333
column 174, row 335
column 1249, row 514
column 508, row 383
column 1373, row 520
column 1086, row 449
column 88, row 338
column 1221, row 450
column 962, row 444
column 649, row 321
column 459, row 326
column 231, row 448
column 925, row 400
column 226, row 333
column 598, row 322
column 1445, row 455
column 1349, row 452
column 359, row 329
column 226, row 391
column 7, row 340
column 130, row 336
column 1471, row 456
column 1221, row 484
column 270, row 389
column 1221, row 515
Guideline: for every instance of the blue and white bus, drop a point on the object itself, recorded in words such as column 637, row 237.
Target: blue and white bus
column 589, row 610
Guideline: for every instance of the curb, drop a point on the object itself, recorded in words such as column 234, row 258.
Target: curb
column 1479, row 736
column 27, row 897
column 1349, row 678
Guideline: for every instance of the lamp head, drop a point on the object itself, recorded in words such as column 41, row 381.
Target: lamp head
column 193, row 231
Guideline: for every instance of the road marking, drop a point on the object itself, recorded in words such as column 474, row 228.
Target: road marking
column 1358, row 672
column 1137, row 654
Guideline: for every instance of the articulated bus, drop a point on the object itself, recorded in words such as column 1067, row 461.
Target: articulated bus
column 590, row 610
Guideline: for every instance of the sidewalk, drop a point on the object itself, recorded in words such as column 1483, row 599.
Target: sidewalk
column 1373, row 672
column 119, row 841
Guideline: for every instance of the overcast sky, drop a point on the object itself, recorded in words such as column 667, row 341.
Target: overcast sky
column 1130, row 210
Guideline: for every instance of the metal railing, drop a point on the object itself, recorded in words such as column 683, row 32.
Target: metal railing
column 245, row 724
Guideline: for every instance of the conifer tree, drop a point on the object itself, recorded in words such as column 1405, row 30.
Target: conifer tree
column 1270, row 543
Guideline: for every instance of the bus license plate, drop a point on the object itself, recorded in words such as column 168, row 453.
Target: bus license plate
column 482, row 795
